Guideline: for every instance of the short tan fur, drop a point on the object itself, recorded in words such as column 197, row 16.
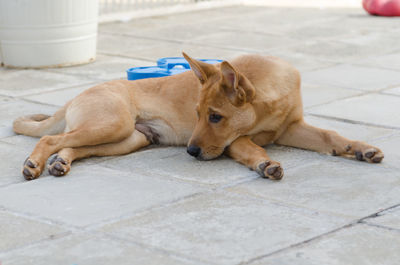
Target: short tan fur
column 233, row 107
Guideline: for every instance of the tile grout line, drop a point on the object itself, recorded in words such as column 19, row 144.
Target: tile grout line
column 388, row 94
column 297, row 244
column 341, row 98
column 381, row 226
column 377, row 214
column 134, row 214
column 198, row 42
column 125, row 56
column 352, row 121
column 360, row 64
column 39, row 102
column 150, row 247
column 351, row 224
column 95, row 234
column 90, row 229
column 60, row 89
column 37, row 242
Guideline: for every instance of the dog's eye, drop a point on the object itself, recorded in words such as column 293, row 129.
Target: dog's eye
column 214, row 118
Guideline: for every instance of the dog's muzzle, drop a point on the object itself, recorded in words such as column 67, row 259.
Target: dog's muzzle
column 194, row 150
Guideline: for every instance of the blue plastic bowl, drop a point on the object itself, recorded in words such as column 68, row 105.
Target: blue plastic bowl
column 136, row 73
column 165, row 67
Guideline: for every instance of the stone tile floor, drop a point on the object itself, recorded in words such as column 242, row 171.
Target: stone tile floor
column 160, row 206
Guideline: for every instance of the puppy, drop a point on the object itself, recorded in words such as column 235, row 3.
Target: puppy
column 233, row 108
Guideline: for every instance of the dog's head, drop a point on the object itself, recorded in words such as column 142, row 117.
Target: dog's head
column 224, row 110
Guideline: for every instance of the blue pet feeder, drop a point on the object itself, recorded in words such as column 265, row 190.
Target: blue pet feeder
column 165, row 67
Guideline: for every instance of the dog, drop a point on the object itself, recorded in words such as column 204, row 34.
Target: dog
column 231, row 108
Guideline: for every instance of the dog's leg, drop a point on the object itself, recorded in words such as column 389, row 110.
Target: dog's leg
column 60, row 164
column 305, row 136
column 89, row 134
column 245, row 151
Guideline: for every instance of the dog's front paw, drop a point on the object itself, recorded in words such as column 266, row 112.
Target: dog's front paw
column 270, row 169
column 31, row 169
column 58, row 166
column 371, row 155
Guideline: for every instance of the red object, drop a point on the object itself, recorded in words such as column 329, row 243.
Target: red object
column 388, row 8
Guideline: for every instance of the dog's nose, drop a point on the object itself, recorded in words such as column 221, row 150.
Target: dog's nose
column 194, row 150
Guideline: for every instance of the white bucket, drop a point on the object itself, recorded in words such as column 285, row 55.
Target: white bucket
column 47, row 33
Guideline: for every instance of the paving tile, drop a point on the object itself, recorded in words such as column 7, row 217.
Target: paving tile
column 357, row 19
column 146, row 26
column 59, row 97
column 393, row 91
column 4, row 99
column 388, row 61
column 14, row 108
column 17, row 231
column 24, row 82
column 246, row 41
column 336, row 185
column 27, row 144
column 227, row 12
column 389, row 218
column 390, row 146
column 21, row 142
column 355, row 77
column 317, row 28
column 195, row 50
column 104, row 68
column 177, row 33
column 269, row 20
column 302, row 62
column 90, row 194
column 5, row 127
column 123, row 45
column 11, row 160
column 89, row 250
column 359, row 244
column 386, row 42
column 5, row 131
column 338, row 52
column 321, row 94
column 149, row 49
column 136, row 25
column 290, row 157
column 224, row 228
column 349, row 130
column 175, row 162
column 143, row 25
column 372, row 109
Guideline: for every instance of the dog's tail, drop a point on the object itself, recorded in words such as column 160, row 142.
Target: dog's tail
column 38, row 125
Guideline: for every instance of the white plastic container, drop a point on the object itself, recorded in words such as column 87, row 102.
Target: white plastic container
column 47, row 33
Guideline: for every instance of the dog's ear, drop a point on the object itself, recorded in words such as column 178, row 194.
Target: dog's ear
column 236, row 87
column 201, row 69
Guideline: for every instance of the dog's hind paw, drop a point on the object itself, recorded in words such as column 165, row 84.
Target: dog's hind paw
column 58, row 167
column 31, row 169
column 271, row 170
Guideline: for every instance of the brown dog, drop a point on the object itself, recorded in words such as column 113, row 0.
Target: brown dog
column 236, row 108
